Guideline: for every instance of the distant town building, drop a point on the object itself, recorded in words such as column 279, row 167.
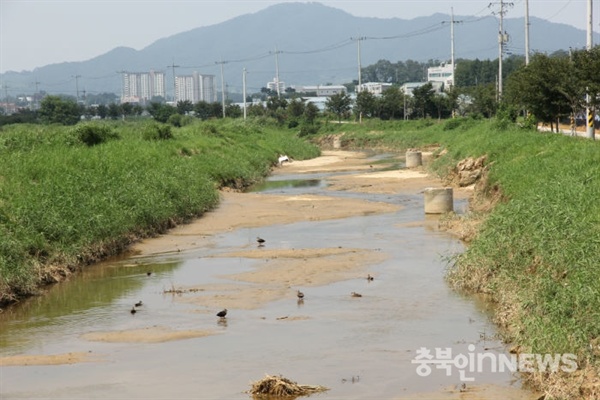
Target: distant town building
column 140, row 87
column 273, row 85
column 320, row 102
column 408, row 87
column 322, row 90
column 8, row 108
column 374, row 88
column 196, row 87
column 443, row 74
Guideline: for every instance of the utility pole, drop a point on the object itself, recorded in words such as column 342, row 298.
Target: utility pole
column 526, row 32
column 244, row 90
column 6, row 97
column 222, row 86
column 500, row 49
column 590, row 112
column 35, row 95
column 173, row 66
column 123, row 75
column 77, row 86
column 359, row 73
column 277, row 72
column 502, row 38
column 360, row 38
column 452, row 22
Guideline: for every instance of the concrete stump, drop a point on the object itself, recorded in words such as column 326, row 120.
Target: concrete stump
column 337, row 142
column 413, row 159
column 438, row 200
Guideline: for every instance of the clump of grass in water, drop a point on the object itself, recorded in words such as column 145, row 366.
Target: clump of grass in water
column 278, row 386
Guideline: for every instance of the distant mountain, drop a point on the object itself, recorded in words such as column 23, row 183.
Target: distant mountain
column 314, row 44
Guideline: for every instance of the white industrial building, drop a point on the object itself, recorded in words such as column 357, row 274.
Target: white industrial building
column 322, row 90
column 444, row 74
column 375, row 88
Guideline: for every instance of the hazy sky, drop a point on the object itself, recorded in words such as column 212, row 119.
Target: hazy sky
column 35, row 33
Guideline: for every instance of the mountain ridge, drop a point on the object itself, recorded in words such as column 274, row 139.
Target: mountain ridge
column 314, row 44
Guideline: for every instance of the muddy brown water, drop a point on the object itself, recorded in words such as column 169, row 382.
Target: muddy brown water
column 360, row 348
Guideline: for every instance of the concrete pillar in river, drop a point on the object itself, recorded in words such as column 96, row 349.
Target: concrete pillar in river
column 337, row 142
column 413, row 159
column 438, row 200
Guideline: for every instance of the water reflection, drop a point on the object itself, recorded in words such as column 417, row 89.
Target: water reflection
column 271, row 185
column 88, row 298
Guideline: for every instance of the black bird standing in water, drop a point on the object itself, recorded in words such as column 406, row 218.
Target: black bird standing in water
column 133, row 310
column 369, row 277
column 138, row 304
column 260, row 241
column 300, row 295
column 222, row 314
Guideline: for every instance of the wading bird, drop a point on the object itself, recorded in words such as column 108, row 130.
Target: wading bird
column 369, row 277
column 260, row 241
column 222, row 314
column 300, row 294
column 138, row 304
column 354, row 294
column 133, row 310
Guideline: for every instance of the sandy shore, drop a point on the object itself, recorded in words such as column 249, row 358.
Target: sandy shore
column 249, row 210
column 50, row 359
column 154, row 334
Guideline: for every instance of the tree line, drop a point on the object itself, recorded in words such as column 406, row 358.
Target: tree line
column 550, row 88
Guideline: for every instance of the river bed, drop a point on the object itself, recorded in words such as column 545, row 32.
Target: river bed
column 328, row 223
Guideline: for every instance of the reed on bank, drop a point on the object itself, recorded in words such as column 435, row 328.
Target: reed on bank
column 70, row 196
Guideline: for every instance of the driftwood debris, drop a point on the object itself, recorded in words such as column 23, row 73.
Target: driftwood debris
column 278, row 386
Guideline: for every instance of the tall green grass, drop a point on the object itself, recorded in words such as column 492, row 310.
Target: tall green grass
column 67, row 203
column 538, row 252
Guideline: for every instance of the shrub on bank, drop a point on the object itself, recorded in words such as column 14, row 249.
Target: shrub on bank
column 92, row 134
column 157, row 132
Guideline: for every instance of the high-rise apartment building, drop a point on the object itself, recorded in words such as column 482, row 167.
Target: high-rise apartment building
column 196, row 87
column 140, row 87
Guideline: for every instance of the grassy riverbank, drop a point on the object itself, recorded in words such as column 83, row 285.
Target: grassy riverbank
column 537, row 254
column 65, row 204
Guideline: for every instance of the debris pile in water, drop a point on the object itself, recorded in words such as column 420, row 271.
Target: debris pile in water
column 282, row 387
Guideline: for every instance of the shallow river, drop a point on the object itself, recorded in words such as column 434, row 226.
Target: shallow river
column 360, row 348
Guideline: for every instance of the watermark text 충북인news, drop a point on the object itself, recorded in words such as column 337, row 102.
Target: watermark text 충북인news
column 485, row 362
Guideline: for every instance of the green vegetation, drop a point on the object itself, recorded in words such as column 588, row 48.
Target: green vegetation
column 538, row 251
column 73, row 195
column 555, row 87
column 56, row 110
column 339, row 104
